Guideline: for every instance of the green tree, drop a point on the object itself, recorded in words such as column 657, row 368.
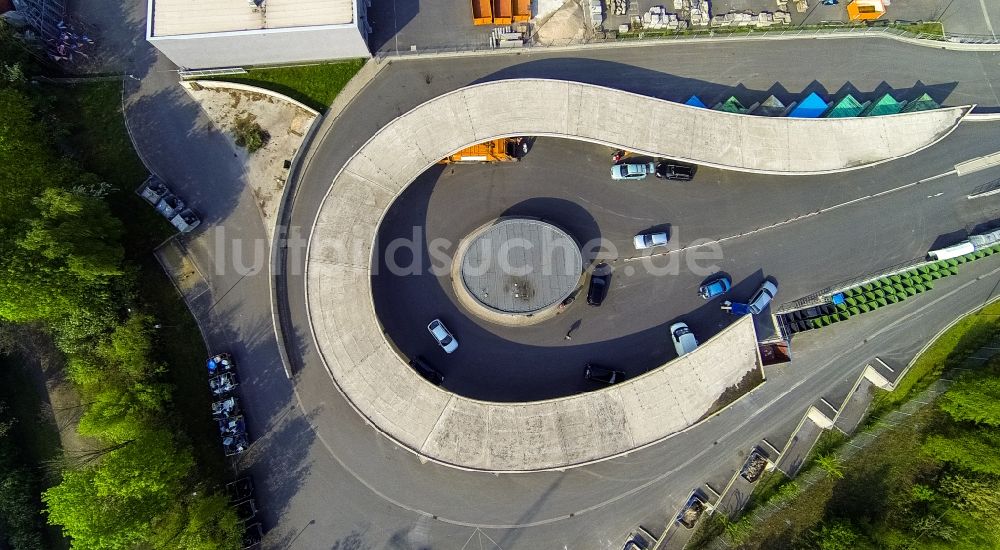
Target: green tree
column 835, row 535
column 77, row 232
column 831, row 465
column 123, row 414
column 973, row 399
column 972, row 449
column 117, row 502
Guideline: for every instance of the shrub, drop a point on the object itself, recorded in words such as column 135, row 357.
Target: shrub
column 249, row 134
column 854, row 310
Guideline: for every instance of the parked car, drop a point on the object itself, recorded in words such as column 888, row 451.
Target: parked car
column 632, row 170
column 718, row 287
column 603, row 374
column 670, row 171
column 762, row 297
column 420, row 365
column 683, row 339
column 649, row 240
column 444, row 338
column 600, row 282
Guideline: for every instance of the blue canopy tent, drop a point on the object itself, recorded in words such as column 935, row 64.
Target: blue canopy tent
column 812, row 106
column 694, row 101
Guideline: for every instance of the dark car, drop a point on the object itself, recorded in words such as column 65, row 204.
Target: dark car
column 600, row 282
column 670, row 171
column 420, row 365
column 603, row 374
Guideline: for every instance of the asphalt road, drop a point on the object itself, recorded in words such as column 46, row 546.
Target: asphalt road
column 328, row 480
column 596, row 506
column 566, row 183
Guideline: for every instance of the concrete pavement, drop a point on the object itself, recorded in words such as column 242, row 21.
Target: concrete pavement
column 327, row 480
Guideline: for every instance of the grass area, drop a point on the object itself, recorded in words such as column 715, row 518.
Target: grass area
column 875, row 479
column 949, row 350
column 314, row 85
column 101, row 144
column 933, row 28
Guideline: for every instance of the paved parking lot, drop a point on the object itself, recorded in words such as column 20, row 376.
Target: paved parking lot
column 566, row 183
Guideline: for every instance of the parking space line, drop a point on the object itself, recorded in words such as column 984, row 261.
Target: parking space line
column 793, row 219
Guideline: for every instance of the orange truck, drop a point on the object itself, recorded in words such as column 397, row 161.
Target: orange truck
column 502, row 12
column 497, row 150
column 482, row 14
column 522, row 10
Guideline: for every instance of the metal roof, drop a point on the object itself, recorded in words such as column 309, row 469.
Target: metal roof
column 182, row 17
column 521, row 266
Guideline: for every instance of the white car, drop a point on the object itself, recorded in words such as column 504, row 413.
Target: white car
column 444, row 338
column 683, row 338
column 649, row 240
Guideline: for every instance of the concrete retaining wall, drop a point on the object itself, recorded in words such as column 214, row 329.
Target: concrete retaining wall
column 580, row 429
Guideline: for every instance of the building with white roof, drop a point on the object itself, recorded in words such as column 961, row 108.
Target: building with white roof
column 201, row 34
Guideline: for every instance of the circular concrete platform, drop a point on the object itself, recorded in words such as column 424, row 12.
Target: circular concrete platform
column 518, row 267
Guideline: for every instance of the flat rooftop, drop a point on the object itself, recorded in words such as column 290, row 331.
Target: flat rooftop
column 180, row 17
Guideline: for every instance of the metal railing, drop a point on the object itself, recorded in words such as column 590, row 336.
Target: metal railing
column 211, row 72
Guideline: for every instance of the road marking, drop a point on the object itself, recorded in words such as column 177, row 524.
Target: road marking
column 934, row 196
column 986, row 16
column 795, row 218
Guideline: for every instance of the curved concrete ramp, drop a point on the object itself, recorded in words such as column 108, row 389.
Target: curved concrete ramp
column 571, row 431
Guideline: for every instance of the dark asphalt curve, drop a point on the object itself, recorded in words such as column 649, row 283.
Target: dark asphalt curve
column 371, row 493
column 566, row 183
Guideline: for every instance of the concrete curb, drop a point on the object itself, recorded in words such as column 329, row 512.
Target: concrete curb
column 321, row 126
column 224, row 85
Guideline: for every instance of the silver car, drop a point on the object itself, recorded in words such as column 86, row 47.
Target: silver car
column 444, row 338
column 762, row 297
column 632, row 170
column 649, row 240
column 683, row 339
